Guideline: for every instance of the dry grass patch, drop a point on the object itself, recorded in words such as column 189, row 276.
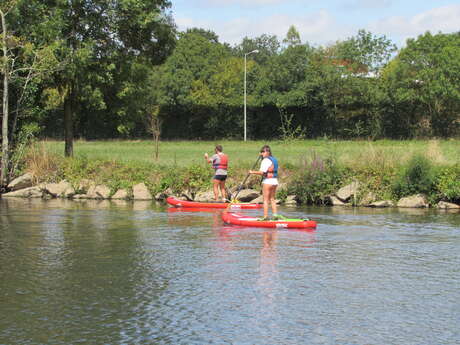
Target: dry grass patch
column 42, row 164
column 434, row 153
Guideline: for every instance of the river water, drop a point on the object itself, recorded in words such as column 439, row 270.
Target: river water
column 140, row 273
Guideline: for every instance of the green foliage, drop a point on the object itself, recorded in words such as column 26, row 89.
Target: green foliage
column 311, row 179
column 318, row 179
column 365, row 51
column 418, row 176
column 282, row 194
column 109, row 64
column 288, row 132
column 195, row 60
column 172, row 180
column 76, row 169
column 292, row 37
column 448, row 183
column 117, row 175
column 377, row 180
column 23, row 141
column 423, row 84
column 196, row 177
column 132, row 59
column 267, row 45
column 190, row 179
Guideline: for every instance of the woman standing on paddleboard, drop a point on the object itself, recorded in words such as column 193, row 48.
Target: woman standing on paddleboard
column 220, row 164
column 269, row 171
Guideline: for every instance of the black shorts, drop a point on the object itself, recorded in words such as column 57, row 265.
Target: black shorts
column 220, row 177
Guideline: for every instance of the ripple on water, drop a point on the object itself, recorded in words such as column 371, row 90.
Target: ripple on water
column 125, row 274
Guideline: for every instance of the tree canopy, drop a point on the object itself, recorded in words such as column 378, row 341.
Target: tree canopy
column 111, row 62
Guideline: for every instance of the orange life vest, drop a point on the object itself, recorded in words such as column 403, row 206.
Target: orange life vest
column 222, row 163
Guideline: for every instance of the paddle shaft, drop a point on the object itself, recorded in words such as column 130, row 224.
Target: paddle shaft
column 247, row 176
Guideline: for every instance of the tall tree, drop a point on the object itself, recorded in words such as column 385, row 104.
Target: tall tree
column 95, row 35
column 292, row 37
column 365, row 52
column 5, row 111
column 423, row 82
column 345, row 76
column 267, row 45
column 21, row 65
column 187, row 73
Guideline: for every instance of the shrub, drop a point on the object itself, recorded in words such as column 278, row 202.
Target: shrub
column 19, row 149
column 75, row 169
column 417, row 177
column 191, row 179
column 319, row 179
column 196, row 177
column 375, row 180
column 113, row 174
column 448, row 183
column 43, row 165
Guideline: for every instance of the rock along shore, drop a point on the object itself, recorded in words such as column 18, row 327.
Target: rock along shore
column 22, row 187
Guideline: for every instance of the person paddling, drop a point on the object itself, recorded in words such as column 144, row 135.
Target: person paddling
column 269, row 171
column 220, row 164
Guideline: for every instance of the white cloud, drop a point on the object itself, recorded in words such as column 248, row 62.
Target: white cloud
column 366, row 4
column 444, row 19
column 242, row 2
column 322, row 27
column 315, row 28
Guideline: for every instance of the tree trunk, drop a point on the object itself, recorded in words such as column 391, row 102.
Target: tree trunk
column 68, row 124
column 5, row 148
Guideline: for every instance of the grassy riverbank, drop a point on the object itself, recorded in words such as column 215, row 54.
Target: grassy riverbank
column 185, row 153
column 309, row 169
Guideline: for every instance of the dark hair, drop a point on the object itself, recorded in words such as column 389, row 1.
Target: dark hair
column 219, row 148
column 266, row 148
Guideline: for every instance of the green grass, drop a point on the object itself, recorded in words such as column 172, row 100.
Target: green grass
column 347, row 153
column 310, row 169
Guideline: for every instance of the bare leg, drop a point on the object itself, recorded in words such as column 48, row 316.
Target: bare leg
column 222, row 190
column 266, row 194
column 272, row 199
column 215, row 185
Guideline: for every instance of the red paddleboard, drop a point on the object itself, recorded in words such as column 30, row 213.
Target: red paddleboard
column 195, row 204
column 194, row 209
column 240, row 219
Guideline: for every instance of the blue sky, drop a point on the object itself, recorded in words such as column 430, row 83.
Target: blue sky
column 318, row 22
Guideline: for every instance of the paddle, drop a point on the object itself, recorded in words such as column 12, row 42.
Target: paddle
column 247, row 176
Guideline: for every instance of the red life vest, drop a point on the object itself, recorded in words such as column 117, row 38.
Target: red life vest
column 223, row 162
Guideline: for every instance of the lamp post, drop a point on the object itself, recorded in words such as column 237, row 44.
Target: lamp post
column 251, row 52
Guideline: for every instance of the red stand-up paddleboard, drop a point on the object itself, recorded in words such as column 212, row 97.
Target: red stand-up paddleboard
column 240, row 219
column 233, row 206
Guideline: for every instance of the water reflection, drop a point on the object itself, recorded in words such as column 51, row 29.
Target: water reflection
column 138, row 273
column 268, row 271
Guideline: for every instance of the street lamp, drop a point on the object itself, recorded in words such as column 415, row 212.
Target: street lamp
column 255, row 52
